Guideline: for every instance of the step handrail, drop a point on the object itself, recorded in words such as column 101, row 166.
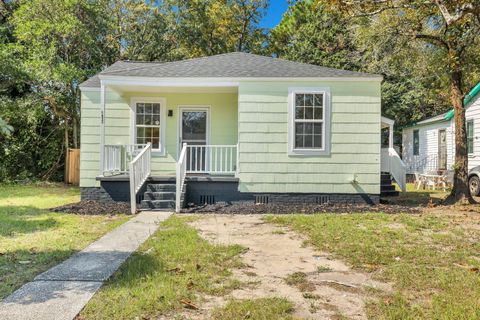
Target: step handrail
column 180, row 177
column 139, row 172
column 398, row 169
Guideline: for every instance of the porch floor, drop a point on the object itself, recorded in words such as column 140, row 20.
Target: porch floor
column 171, row 179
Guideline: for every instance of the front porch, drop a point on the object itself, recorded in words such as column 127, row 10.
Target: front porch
column 196, row 164
column 167, row 131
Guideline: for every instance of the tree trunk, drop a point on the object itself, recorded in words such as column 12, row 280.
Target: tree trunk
column 460, row 190
column 66, row 143
column 75, row 132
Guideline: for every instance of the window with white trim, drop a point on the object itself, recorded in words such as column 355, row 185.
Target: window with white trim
column 148, row 124
column 470, row 138
column 416, row 142
column 309, row 122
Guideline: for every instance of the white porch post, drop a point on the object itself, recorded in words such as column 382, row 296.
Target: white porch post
column 390, row 135
column 102, row 128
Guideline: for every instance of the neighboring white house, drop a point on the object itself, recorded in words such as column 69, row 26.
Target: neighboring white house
column 430, row 144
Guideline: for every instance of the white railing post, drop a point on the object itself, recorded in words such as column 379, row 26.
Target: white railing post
column 139, row 169
column 180, row 176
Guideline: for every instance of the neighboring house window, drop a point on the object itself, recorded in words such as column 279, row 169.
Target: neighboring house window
column 470, row 136
column 416, row 143
column 149, row 124
column 309, row 119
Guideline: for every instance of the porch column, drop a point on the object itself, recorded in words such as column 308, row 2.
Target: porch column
column 390, row 135
column 102, row 127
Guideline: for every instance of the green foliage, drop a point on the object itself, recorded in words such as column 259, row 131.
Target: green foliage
column 208, row 27
column 48, row 47
column 5, row 128
column 29, row 151
column 310, row 33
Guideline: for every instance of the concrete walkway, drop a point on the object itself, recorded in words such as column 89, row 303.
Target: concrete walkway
column 61, row 292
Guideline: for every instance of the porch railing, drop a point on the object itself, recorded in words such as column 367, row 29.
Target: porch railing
column 118, row 157
column 392, row 163
column 213, row 159
column 425, row 164
column 180, row 177
column 139, row 170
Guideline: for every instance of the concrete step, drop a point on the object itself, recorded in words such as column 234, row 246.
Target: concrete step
column 157, row 204
column 149, row 195
column 161, row 187
column 387, row 187
column 389, row 193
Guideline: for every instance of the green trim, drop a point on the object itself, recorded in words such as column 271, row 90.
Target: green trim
column 469, row 97
column 450, row 114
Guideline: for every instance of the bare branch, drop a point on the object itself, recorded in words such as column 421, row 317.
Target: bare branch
column 432, row 39
column 460, row 12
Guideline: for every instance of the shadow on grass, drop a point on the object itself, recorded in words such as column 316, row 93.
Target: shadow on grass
column 23, row 219
column 36, row 190
column 20, row 266
column 417, row 198
column 69, row 269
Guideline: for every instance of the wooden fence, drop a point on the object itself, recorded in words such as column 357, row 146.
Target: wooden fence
column 72, row 172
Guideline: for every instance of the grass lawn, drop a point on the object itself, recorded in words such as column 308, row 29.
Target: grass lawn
column 169, row 272
column 432, row 259
column 32, row 239
column 264, row 309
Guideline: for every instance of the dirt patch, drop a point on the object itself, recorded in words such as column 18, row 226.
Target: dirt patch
column 281, row 265
column 94, row 208
column 289, row 208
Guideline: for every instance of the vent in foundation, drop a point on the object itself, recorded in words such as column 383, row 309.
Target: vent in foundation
column 322, row 199
column 261, row 199
column 207, row 199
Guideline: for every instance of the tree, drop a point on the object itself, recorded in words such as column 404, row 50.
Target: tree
column 447, row 29
column 310, row 33
column 5, row 128
column 208, row 27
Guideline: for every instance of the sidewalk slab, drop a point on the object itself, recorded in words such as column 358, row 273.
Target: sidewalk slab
column 62, row 291
column 48, row 300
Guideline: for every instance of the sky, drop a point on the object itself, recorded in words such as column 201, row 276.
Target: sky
column 274, row 13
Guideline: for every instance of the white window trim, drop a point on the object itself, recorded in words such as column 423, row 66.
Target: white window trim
column 471, row 154
column 325, row 151
column 163, row 117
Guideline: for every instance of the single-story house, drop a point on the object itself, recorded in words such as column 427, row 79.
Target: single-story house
column 233, row 127
column 429, row 145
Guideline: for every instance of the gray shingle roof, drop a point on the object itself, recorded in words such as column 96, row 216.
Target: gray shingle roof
column 229, row 65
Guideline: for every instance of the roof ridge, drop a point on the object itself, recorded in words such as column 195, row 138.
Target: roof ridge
column 167, row 62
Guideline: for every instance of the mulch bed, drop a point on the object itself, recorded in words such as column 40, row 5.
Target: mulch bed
column 94, row 208
column 289, row 208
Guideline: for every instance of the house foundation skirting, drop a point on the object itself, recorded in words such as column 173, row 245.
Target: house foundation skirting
column 318, row 198
column 202, row 191
column 116, row 191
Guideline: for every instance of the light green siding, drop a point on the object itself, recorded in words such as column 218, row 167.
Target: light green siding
column 264, row 163
column 257, row 117
column 223, row 126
